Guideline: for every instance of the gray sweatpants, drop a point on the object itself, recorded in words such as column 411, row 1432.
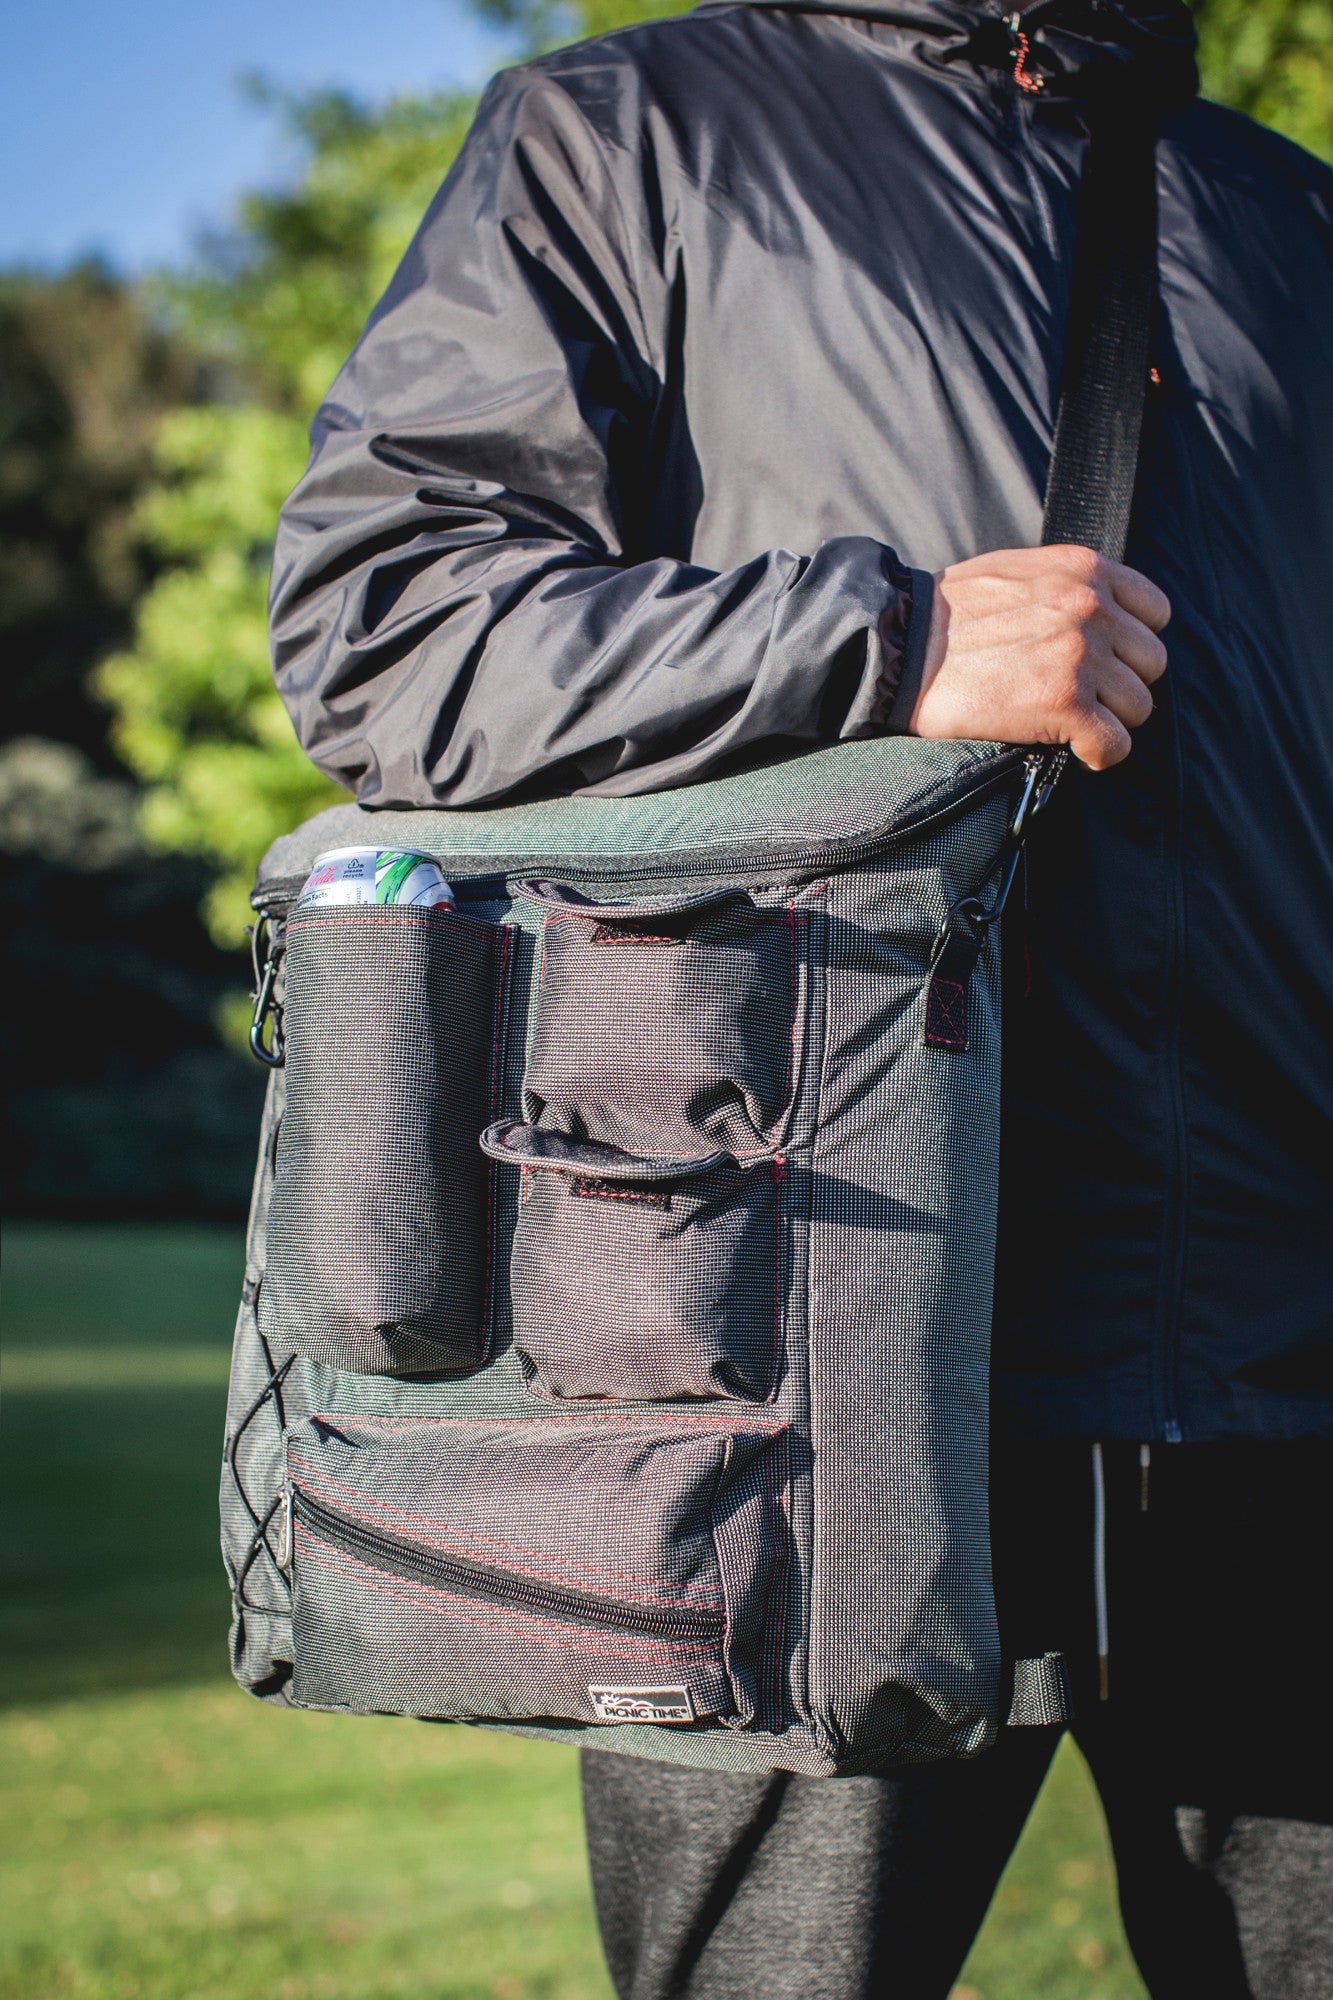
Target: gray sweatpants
column 1211, row 1757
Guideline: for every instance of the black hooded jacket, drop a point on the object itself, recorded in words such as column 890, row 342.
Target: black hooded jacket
column 722, row 334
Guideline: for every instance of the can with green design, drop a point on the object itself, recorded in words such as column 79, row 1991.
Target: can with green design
column 375, row 875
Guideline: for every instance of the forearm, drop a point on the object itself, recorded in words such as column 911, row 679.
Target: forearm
column 430, row 673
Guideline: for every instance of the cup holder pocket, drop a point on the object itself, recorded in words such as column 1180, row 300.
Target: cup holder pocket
column 378, row 1228
column 642, row 1278
column 664, row 1026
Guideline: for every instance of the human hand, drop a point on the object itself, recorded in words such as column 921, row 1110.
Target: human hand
column 1046, row 645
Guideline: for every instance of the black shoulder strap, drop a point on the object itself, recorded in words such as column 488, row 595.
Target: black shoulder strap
column 1090, row 488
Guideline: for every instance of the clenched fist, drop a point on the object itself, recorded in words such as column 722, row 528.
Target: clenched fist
column 1048, row 645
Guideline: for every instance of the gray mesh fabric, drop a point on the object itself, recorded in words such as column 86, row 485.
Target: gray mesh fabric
column 738, row 1293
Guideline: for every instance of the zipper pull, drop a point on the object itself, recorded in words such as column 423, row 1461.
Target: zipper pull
column 1099, row 1574
column 1020, row 48
column 284, row 1551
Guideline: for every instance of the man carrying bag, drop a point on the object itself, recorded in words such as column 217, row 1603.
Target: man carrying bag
column 709, row 417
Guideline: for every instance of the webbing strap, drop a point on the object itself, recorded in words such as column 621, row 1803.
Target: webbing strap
column 1094, row 464
column 1090, row 486
column 1040, row 1696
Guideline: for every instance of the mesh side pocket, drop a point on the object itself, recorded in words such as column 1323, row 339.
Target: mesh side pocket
column 378, row 1239
column 664, row 1026
column 642, row 1279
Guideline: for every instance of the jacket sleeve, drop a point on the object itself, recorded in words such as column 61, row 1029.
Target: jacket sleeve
column 467, row 601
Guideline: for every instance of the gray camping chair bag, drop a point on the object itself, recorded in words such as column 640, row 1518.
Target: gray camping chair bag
column 612, row 1364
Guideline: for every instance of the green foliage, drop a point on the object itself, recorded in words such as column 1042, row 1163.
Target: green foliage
column 284, row 295
column 278, row 303
column 84, row 378
column 1272, row 59
column 198, row 718
column 546, row 24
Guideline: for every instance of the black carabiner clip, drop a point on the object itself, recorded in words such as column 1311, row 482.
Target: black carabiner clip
column 266, row 957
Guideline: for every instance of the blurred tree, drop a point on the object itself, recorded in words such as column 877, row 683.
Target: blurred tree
column 279, row 302
column 1274, row 60
column 117, row 1097
column 85, row 376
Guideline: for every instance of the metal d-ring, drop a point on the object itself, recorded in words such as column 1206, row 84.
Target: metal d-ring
column 1044, row 769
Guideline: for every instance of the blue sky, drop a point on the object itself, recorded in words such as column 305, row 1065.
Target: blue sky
column 122, row 129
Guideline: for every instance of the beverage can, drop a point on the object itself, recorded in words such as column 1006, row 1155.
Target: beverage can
column 375, row 875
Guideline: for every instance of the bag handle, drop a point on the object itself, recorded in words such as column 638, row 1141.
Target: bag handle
column 1094, row 465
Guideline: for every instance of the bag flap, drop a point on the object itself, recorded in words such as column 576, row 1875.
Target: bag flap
column 849, row 795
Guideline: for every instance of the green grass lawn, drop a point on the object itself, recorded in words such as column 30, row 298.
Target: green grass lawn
column 167, row 1838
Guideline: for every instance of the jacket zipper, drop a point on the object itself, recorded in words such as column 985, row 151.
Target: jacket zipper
column 469, row 1579
column 1176, row 1193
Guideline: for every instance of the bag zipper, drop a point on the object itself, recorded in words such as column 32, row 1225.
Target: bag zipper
column 469, row 1579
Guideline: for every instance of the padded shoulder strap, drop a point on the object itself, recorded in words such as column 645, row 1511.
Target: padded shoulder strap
column 1090, row 488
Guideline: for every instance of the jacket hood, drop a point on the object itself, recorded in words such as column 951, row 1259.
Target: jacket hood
column 1058, row 48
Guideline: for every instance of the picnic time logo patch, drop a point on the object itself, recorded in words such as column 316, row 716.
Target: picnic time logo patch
column 622, row 1704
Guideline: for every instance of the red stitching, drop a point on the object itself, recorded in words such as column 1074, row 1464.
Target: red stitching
column 794, row 972
column 779, row 1179
column 657, row 1153
column 733, row 1421
column 318, row 1478
column 370, row 1580
column 555, row 1573
column 605, row 934
column 620, row 913
column 403, row 913
column 946, row 1014
column 595, row 1190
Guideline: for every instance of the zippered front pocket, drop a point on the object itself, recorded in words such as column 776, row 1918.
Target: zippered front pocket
column 508, row 1570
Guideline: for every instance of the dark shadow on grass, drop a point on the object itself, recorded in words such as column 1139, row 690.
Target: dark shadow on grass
column 111, row 1574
